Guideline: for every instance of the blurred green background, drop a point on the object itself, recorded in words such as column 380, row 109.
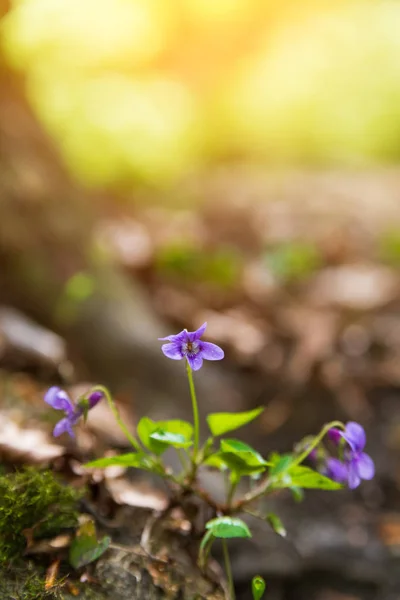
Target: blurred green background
column 154, row 90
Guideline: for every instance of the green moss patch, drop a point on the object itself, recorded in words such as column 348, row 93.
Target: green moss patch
column 33, row 500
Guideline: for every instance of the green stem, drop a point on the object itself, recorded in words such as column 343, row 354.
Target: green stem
column 231, row 492
column 262, row 488
column 132, row 440
column 315, row 442
column 196, row 422
column 228, row 569
column 205, row 548
column 182, row 458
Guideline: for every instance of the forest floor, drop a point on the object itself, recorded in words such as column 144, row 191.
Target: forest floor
column 297, row 276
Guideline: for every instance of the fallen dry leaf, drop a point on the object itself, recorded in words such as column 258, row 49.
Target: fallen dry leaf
column 356, row 287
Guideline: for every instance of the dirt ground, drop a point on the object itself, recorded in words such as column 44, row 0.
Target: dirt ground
column 297, row 275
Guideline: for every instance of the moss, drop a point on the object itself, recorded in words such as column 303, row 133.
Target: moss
column 33, row 500
column 25, row 582
column 220, row 267
column 293, row 261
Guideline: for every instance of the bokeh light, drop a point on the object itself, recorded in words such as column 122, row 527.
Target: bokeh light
column 154, row 90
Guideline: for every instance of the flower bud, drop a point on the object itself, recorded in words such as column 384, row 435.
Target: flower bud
column 94, row 398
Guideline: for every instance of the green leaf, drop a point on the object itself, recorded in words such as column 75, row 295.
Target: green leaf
column 174, row 433
column 234, row 477
column 238, row 457
column 276, row 524
column 297, row 477
column 304, row 477
column 280, row 463
column 257, row 587
column 158, row 436
column 140, row 460
column 183, row 428
column 85, row 548
column 220, row 423
column 206, row 451
column 238, row 466
column 241, row 457
column 145, row 428
column 170, row 439
column 216, row 461
column 228, row 527
column 244, row 451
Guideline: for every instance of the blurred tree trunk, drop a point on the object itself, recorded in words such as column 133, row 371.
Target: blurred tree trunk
column 50, row 269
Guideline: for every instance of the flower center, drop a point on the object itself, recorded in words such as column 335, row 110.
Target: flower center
column 190, row 348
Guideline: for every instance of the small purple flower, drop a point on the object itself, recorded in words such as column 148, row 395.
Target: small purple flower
column 357, row 463
column 336, row 470
column 188, row 344
column 59, row 399
column 360, row 465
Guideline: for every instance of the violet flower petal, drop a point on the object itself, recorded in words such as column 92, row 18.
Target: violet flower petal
column 365, row 466
column 188, row 344
column 70, row 431
column 195, row 362
column 196, row 335
column 354, row 477
column 63, row 426
column 211, row 351
column 337, row 470
column 180, row 337
column 172, row 350
column 355, row 436
column 59, row 400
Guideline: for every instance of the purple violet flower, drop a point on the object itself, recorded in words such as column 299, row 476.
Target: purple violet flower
column 188, row 344
column 337, row 470
column 357, row 463
column 59, row 399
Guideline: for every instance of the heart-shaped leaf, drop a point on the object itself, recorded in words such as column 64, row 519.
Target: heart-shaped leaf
column 241, row 457
column 280, row 463
column 85, row 548
column 220, row 423
column 145, row 428
column 170, row 439
column 158, row 436
column 228, row 527
column 304, row 477
column 140, row 460
column 257, row 587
